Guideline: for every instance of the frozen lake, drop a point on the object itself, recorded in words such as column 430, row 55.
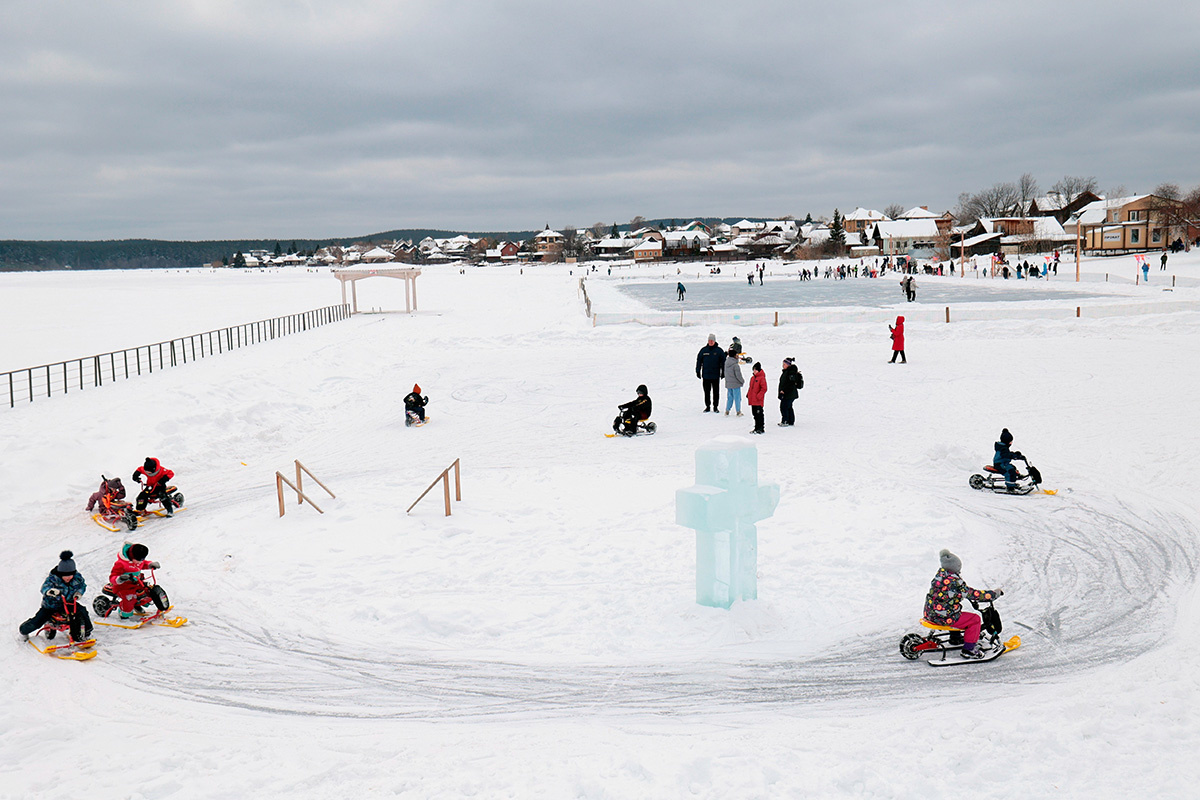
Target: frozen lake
column 789, row 292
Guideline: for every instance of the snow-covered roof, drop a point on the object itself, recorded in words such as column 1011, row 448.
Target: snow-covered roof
column 377, row 254
column 619, row 243
column 870, row 215
column 1096, row 212
column 549, row 234
column 770, row 239
column 907, row 229
column 819, row 235
column 974, row 240
column 684, row 236
column 918, row 212
column 648, row 244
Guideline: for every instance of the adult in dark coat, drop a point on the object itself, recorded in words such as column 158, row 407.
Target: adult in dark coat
column 710, row 368
column 790, row 383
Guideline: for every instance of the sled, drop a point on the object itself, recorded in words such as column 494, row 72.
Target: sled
column 157, row 618
column 77, row 651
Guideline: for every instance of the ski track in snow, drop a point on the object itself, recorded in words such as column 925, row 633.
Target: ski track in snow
column 1103, row 569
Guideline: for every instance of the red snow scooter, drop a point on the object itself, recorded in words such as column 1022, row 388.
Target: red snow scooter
column 943, row 639
column 148, row 593
column 994, row 479
column 61, row 621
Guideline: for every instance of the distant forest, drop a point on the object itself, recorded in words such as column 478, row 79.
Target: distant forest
column 155, row 254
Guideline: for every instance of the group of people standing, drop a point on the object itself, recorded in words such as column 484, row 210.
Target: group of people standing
column 714, row 364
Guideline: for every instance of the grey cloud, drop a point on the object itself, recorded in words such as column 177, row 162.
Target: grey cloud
column 296, row 119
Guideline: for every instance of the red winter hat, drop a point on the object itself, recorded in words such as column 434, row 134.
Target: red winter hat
column 417, row 388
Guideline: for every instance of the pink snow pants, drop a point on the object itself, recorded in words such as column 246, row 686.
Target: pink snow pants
column 970, row 626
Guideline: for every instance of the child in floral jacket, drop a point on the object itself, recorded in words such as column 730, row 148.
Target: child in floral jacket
column 943, row 604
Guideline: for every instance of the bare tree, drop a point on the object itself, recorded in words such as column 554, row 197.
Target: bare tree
column 1070, row 187
column 1168, row 191
column 996, row 201
column 1027, row 189
column 1117, row 191
column 599, row 230
column 637, row 222
column 894, row 211
column 571, row 242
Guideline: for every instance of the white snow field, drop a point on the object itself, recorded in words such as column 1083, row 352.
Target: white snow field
column 543, row 641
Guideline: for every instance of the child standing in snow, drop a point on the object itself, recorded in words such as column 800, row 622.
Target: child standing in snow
column 125, row 577
column 62, row 593
column 414, row 403
column 756, row 396
column 943, row 603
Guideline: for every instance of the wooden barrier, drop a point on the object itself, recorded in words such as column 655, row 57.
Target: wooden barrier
column 444, row 477
column 298, row 488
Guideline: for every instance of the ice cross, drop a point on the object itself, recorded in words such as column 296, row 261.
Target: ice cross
column 722, row 508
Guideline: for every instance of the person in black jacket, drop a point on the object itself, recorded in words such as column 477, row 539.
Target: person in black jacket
column 710, row 368
column 633, row 412
column 790, row 384
column 414, row 404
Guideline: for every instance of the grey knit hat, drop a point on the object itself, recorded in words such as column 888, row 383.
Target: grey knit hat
column 950, row 562
column 66, row 566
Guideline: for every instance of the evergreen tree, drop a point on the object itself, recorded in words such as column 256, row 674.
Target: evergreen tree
column 614, row 233
column 239, row 260
column 278, row 250
column 808, row 220
column 837, row 232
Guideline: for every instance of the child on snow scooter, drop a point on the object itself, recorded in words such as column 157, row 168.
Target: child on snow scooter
column 61, row 593
column 633, row 412
column 414, row 405
column 155, row 476
column 1004, row 457
column 943, row 603
column 125, row 578
column 110, row 488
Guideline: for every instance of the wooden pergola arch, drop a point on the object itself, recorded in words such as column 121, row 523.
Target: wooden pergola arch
column 355, row 274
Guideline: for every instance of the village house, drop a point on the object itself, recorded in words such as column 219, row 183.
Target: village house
column 915, row 237
column 861, row 220
column 1056, row 205
column 647, row 250
column 1138, row 223
column 548, row 245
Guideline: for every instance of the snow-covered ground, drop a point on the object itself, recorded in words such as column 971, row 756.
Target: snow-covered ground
column 543, row 640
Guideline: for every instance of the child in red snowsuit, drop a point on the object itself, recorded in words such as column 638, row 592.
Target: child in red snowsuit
column 126, row 577
column 155, row 476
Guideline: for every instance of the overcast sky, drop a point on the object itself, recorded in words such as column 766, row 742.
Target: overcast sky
column 216, row 119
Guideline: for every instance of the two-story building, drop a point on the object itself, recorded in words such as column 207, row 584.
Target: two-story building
column 1127, row 224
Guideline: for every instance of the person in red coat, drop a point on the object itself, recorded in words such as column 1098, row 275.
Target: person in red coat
column 898, row 341
column 756, row 395
column 154, row 477
column 125, row 576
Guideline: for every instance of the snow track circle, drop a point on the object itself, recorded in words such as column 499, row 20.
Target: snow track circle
column 1080, row 575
